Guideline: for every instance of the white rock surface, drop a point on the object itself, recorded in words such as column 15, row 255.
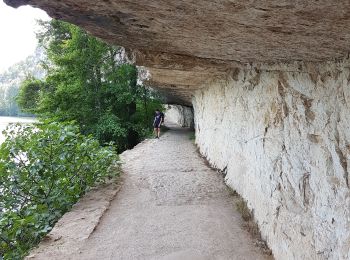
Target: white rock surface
column 283, row 138
column 180, row 115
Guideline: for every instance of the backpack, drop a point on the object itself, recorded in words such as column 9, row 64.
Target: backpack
column 162, row 116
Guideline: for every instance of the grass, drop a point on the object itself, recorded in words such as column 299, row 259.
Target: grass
column 192, row 136
column 243, row 209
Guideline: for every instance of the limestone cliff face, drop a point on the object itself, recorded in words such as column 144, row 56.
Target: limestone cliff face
column 269, row 82
column 282, row 138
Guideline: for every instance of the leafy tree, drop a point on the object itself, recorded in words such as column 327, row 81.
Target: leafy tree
column 87, row 81
column 29, row 93
column 45, row 168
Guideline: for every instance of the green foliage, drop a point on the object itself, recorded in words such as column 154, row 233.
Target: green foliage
column 44, row 169
column 109, row 127
column 192, row 136
column 90, row 83
column 28, row 96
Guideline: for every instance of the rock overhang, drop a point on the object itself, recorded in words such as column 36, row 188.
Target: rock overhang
column 186, row 44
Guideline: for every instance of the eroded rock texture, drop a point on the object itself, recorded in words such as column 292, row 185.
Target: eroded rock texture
column 188, row 43
column 283, row 140
column 269, row 81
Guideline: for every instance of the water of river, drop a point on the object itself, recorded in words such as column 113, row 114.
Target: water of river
column 6, row 120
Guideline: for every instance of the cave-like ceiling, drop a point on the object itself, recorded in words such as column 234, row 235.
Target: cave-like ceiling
column 186, row 43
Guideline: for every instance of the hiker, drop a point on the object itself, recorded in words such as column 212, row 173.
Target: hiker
column 158, row 119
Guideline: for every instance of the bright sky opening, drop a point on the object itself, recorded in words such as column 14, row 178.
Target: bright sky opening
column 17, row 30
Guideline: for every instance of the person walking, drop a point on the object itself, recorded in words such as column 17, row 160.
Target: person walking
column 158, row 119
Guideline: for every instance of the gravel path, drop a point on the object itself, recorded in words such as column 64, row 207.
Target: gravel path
column 171, row 206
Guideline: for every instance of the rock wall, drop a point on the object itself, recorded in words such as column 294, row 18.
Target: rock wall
column 181, row 115
column 283, row 140
column 278, row 126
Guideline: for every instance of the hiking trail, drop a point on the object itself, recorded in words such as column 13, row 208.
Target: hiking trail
column 171, row 205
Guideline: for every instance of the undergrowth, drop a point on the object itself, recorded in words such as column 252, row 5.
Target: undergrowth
column 45, row 168
column 192, row 136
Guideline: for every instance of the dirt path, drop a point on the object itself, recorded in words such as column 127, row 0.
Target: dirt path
column 171, row 206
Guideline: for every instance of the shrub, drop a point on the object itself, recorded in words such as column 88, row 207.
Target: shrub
column 44, row 169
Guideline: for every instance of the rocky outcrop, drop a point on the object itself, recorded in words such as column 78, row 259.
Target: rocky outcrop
column 180, row 115
column 282, row 139
column 188, row 43
column 269, row 81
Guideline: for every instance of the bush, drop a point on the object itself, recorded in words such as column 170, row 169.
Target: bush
column 109, row 127
column 44, row 169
